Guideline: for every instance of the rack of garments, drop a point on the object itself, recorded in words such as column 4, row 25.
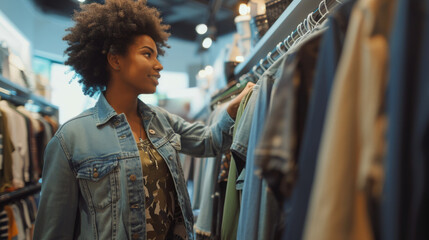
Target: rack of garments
column 205, row 188
column 218, row 216
column 245, row 189
column 328, row 145
column 18, row 212
column 24, row 135
column 331, row 142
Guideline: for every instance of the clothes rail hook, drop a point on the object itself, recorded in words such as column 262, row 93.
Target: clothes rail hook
column 286, row 43
column 269, row 59
column 255, row 71
column 261, row 65
column 279, row 48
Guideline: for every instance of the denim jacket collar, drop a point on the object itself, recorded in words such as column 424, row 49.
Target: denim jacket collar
column 104, row 112
column 145, row 110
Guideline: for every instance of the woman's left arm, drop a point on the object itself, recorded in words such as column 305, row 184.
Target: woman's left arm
column 200, row 140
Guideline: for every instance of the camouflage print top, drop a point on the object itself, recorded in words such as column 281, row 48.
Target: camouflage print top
column 164, row 219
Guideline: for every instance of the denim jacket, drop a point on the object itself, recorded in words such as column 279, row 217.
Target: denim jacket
column 92, row 178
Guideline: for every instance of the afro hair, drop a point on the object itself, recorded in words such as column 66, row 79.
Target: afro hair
column 110, row 27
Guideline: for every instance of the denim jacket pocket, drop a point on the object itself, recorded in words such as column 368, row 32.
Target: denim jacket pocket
column 99, row 181
column 175, row 141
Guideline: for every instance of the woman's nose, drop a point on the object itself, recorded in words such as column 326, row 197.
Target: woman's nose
column 158, row 66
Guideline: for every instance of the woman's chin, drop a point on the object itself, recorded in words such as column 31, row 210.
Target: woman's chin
column 147, row 91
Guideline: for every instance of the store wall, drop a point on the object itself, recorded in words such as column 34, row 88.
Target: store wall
column 45, row 32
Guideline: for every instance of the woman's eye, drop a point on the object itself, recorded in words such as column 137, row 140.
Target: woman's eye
column 147, row 54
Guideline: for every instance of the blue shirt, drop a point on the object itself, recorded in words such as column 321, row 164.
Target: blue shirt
column 252, row 189
column 328, row 57
column 93, row 180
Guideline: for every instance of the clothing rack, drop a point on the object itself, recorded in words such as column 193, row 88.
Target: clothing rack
column 276, row 43
column 19, row 95
column 6, row 198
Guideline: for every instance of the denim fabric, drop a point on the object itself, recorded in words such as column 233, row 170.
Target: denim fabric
column 271, row 221
column 199, row 173
column 405, row 203
column 252, row 190
column 241, row 135
column 277, row 149
column 92, row 178
column 199, row 166
column 204, row 219
column 330, row 51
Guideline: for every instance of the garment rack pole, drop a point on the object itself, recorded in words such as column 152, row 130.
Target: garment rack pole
column 6, row 198
column 19, row 95
column 312, row 20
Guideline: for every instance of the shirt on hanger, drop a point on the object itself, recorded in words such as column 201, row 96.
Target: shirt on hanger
column 231, row 210
column 18, row 130
column 406, row 190
column 330, row 50
column 349, row 160
column 8, row 147
column 252, row 188
column 203, row 224
column 277, row 149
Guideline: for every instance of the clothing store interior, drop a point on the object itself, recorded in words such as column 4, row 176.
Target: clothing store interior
column 330, row 142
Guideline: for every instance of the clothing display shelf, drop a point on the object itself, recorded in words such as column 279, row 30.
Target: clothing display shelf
column 6, row 198
column 294, row 22
column 19, row 95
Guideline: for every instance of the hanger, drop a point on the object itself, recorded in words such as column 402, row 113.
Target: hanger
column 322, row 15
column 302, row 30
column 5, row 91
column 310, row 21
column 287, row 42
column 279, row 48
column 269, row 59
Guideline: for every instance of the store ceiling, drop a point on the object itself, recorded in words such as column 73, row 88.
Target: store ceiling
column 182, row 15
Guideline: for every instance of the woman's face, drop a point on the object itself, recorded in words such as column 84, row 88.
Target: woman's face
column 139, row 67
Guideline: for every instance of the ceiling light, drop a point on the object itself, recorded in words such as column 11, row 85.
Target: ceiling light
column 207, row 42
column 208, row 69
column 202, row 73
column 201, row 28
column 81, row 1
column 243, row 9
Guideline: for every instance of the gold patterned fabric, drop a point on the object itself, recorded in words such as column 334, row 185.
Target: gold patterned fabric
column 164, row 218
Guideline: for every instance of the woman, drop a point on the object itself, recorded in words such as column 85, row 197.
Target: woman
column 113, row 172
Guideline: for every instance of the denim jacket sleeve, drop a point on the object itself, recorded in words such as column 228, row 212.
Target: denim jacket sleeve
column 59, row 196
column 200, row 140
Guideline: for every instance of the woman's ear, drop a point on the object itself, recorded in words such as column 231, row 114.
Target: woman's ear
column 113, row 60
